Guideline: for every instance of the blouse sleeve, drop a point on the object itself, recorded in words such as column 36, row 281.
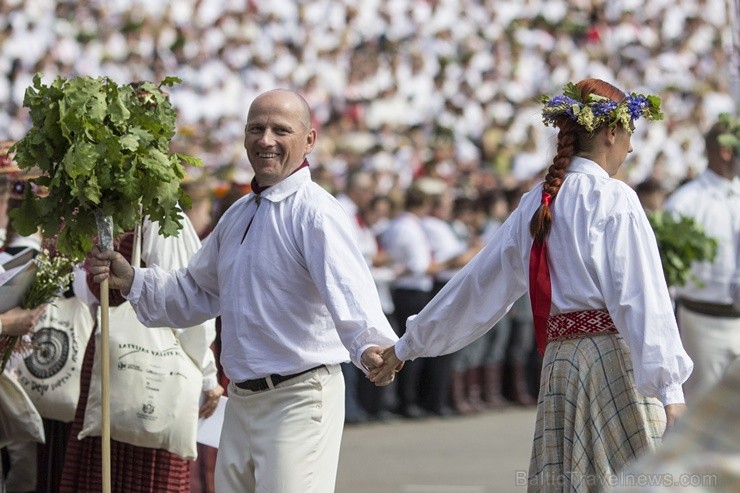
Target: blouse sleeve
column 636, row 295
column 472, row 302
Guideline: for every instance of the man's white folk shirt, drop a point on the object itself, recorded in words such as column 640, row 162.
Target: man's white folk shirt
column 602, row 254
column 294, row 294
column 444, row 243
column 714, row 202
column 410, row 252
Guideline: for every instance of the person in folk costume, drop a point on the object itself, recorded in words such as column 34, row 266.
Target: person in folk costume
column 581, row 243
column 283, row 271
column 22, row 457
column 7, row 168
column 200, row 214
column 17, row 322
column 709, row 303
column 135, row 468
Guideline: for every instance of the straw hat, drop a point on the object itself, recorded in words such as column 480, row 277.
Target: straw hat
column 9, row 168
column 7, row 163
column 17, row 179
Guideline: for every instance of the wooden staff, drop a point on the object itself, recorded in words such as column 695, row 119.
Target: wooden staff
column 105, row 242
column 105, row 384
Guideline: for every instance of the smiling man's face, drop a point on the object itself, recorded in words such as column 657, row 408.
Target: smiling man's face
column 278, row 135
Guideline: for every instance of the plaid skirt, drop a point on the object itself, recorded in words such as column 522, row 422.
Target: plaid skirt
column 591, row 420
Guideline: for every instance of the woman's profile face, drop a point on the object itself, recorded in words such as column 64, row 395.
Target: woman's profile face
column 621, row 148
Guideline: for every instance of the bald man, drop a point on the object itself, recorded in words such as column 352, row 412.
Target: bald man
column 296, row 298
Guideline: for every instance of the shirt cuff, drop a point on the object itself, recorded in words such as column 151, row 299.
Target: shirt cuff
column 136, row 286
column 403, row 350
column 673, row 394
column 210, row 382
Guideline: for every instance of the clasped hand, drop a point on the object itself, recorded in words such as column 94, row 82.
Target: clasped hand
column 382, row 364
column 111, row 265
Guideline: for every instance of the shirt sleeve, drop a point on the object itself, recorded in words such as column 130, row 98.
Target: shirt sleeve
column 636, row 296
column 343, row 278
column 472, row 302
column 180, row 297
column 163, row 254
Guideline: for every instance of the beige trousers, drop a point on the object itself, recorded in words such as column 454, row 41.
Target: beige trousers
column 713, row 343
column 283, row 440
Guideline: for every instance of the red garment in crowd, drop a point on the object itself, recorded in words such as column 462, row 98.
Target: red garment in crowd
column 133, row 469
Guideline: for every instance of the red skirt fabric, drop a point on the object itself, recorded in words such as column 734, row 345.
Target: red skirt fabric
column 202, row 473
column 133, row 469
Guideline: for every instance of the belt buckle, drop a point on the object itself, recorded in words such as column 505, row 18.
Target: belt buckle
column 267, row 383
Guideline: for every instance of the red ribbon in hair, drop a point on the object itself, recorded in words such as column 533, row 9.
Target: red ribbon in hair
column 540, row 290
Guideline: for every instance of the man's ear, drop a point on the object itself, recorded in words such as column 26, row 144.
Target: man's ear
column 310, row 141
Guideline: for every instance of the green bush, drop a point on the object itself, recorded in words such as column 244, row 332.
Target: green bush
column 99, row 146
column 681, row 242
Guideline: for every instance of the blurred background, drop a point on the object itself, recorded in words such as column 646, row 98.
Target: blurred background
column 441, row 95
column 401, row 88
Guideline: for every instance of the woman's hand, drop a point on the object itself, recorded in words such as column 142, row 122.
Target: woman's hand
column 386, row 373
column 672, row 413
column 18, row 321
column 213, row 396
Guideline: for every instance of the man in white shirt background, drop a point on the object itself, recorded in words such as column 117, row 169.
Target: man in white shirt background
column 410, row 254
column 443, row 381
column 708, row 310
column 356, row 198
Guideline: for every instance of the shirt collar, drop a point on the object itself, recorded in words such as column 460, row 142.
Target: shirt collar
column 288, row 185
column 580, row 164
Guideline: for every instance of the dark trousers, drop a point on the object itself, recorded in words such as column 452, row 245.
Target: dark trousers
column 409, row 302
column 436, row 377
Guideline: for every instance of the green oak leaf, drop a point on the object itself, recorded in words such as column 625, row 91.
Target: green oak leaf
column 681, row 242
column 100, row 144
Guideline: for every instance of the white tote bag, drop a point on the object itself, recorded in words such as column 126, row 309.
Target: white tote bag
column 154, row 387
column 51, row 374
column 19, row 419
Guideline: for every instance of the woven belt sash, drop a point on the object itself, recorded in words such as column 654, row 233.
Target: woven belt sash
column 579, row 324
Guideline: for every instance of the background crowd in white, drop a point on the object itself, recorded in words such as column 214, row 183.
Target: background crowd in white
column 400, row 89
column 395, row 84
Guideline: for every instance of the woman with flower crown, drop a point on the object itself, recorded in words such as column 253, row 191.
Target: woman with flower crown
column 581, row 244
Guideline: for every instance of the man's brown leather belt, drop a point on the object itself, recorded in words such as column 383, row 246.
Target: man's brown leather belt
column 262, row 383
column 711, row 309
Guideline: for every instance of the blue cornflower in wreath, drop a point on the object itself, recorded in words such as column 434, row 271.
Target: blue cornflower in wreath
column 598, row 110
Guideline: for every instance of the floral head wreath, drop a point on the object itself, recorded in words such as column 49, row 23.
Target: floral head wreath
column 599, row 110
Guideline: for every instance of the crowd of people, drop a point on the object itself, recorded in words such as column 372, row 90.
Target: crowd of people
column 390, row 81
